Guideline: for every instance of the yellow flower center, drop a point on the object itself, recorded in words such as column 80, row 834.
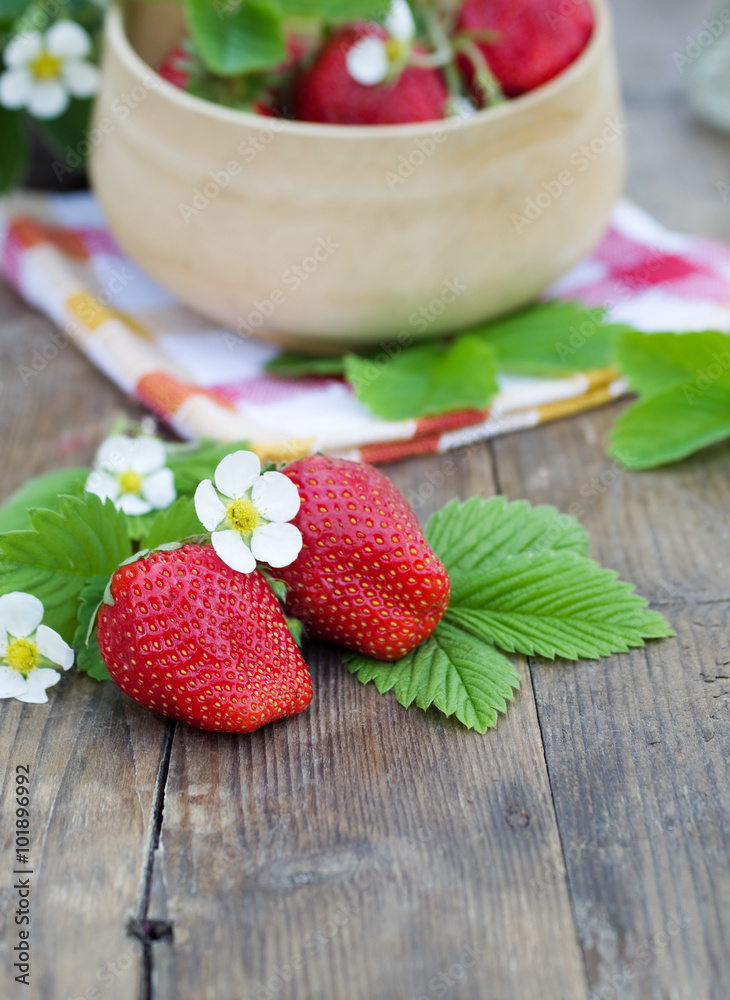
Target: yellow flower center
column 242, row 515
column 130, row 482
column 393, row 49
column 46, row 66
column 22, row 655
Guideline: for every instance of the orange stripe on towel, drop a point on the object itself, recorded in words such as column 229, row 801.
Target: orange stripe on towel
column 164, row 395
column 449, row 421
column 30, row 233
column 392, row 451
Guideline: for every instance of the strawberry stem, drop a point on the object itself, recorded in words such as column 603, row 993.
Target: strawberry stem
column 443, row 52
column 485, row 79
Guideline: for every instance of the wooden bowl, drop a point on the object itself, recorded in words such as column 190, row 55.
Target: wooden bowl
column 323, row 236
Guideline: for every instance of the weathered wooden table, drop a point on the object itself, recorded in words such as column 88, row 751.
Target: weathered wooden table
column 365, row 852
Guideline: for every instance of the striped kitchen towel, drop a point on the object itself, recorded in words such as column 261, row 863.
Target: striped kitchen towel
column 205, row 381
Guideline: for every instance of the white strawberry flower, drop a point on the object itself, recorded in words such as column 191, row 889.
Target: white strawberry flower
column 132, row 472
column 371, row 59
column 26, row 647
column 248, row 513
column 44, row 70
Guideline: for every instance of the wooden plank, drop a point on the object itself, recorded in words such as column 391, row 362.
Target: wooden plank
column 637, row 745
column 93, row 755
column 361, row 850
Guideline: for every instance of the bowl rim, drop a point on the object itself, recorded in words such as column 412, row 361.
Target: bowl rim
column 116, row 39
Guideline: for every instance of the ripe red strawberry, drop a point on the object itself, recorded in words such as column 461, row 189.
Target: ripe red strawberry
column 366, row 576
column 327, row 92
column 193, row 639
column 174, row 67
column 537, row 38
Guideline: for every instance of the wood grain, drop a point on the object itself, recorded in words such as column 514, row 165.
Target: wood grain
column 361, row 850
column 94, row 756
column 581, row 849
column 637, row 746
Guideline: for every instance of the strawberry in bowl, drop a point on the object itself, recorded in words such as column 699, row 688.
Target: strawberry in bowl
column 394, row 138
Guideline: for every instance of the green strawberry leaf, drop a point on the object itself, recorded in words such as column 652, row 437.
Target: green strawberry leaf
column 191, row 464
column 665, row 428
column 235, row 38
column 88, row 655
column 654, row 362
column 54, row 559
column 550, row 340
column 466, row 536
column 174, row 524
column 41, row 491
column 452, row 670
column 553, row 339
column 684, row 381
column 555, row 604
column 426, row 379
column 334, row 10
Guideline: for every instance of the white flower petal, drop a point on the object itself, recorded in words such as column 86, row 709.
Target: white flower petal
column 67, row 40
column 275, row 497
column 115, row 453
column 208, row 505
column 36, row 683
column 234, row 552
column 48, row 99
column 367, row 61
column 130, row 503
column 81, row 78
column 20, row 614
column 146, row 455
column 12, row 684
column 276, row 544
column 16, row 86
column 237, row 473
column 23, row 49
column 159, row 488
column 399, row 22
column 103, row 485
column 3, row 641
column 51, row 645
